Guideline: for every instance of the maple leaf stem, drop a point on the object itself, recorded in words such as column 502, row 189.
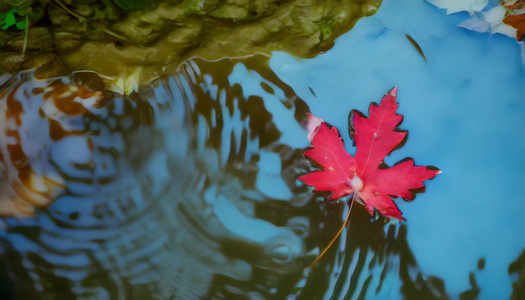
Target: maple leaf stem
column 337, row 235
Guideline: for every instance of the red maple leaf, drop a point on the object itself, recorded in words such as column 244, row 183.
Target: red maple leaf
column 375, row 137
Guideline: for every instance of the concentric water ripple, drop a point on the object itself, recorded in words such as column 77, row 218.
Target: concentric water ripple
column 152, row 194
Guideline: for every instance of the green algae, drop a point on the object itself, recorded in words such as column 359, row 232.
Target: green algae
column 130, row 44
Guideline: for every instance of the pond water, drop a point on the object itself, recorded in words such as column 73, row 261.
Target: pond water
column 465, row 114
column 189, row 190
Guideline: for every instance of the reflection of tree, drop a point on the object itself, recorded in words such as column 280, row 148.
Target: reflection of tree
column 518, row 266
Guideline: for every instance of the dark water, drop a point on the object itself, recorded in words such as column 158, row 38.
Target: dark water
column 187, row 190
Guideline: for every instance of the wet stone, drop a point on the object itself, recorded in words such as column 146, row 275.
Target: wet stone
column 66, row 41
column 39, row 37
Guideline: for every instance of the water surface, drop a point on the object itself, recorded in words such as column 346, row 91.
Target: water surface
column 464, row 112
column 188, row 189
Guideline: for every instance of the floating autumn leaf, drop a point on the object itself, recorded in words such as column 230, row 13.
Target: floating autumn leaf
column 515, row 17
column 486, row 16
column 489, row 20
column 454, row 6
column 361, row 175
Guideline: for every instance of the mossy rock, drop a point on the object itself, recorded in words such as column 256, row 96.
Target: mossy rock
column 142, row 40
